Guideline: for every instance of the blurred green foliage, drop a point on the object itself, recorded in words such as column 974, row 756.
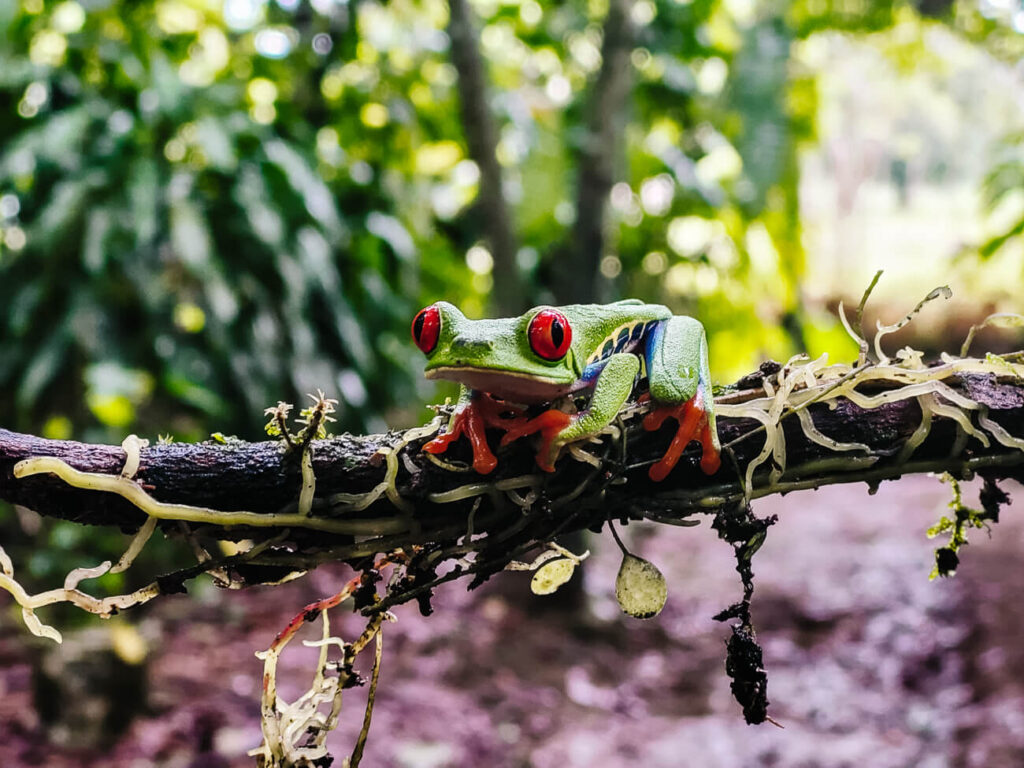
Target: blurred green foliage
column 188, row 232
column 1004, row 187
column 206, row 207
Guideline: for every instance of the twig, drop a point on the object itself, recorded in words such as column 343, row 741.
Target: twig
column 364, row 732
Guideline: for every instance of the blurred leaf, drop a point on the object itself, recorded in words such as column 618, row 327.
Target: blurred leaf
column 391, row 230
column 217, row 143
column 194, row 395
column 23, row 306
column 315, row 194
column 252, row 194
column 190, row 236
column 144, row 199
column 44, row 366
column 989, row 247
column 97, row 228
column 59, row 217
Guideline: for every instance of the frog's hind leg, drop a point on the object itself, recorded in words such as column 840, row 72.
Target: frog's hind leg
column 676, row 353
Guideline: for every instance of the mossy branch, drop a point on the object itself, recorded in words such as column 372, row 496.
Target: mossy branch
column 376, row 493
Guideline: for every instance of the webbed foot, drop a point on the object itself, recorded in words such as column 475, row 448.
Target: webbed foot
column 693, row 425
column 483, row 412
column 471, row 420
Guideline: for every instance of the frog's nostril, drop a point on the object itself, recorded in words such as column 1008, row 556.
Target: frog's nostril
column 477, row 345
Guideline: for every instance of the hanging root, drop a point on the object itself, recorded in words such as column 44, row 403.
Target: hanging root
column 70, row 593
column 295, row 733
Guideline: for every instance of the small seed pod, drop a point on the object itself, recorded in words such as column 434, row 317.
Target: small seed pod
column 550, row 576
column 640, row 588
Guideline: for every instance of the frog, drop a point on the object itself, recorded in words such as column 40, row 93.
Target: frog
column 555, row 354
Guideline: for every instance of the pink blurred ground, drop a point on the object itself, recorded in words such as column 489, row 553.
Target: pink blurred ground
column 869, row 663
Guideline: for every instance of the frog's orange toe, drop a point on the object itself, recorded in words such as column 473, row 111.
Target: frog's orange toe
column 711, row 459
column 440, row 443
column 547, row 452
column 470, row 422
column 693, row 425
column 482, row 412
column 550, row 421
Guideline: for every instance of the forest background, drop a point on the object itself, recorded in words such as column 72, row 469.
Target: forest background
column 208, row 207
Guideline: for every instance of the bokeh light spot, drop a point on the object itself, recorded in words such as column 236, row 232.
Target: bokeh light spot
column 68, row 18
column 374, row 115
column 189, row 317
column 479, row 260
column 14, row 238
column 322, row 44
column 611, row 267
column 48, row 48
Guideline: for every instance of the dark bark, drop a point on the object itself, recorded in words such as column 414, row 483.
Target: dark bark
column 264, row 478
column 481, row 132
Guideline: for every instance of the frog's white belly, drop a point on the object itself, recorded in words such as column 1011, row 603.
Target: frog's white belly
column 507, row 385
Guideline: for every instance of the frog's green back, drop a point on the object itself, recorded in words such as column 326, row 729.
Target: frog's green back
column 600, row 329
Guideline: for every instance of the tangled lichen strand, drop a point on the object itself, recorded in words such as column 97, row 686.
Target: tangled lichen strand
column 341, row 503
column 793, row 391
column 134, row 493
column 70, row 593
column 295, row 733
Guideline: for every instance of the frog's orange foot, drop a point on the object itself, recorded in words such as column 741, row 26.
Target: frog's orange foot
column 549, row 424
column 472, row 421
column 693, row 425
column 466, row 421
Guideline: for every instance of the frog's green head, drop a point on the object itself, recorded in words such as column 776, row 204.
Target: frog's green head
column 523, row 359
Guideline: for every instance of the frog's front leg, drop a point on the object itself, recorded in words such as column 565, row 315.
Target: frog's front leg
column 474, row 412
column 676, row 352
column 614, row 384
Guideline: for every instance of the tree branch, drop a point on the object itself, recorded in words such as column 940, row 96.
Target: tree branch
column 431, row 506
column 481, row 132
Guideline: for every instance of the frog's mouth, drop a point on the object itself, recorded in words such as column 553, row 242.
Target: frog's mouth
column 514, row 386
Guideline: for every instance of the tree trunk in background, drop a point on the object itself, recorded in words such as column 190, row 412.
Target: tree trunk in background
column 576, row 275
column 508, row 296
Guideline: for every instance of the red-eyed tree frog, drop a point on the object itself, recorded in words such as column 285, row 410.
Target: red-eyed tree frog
column 550, row 353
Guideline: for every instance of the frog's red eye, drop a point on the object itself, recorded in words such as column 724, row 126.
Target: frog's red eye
column 550, row 334
column 426, row 327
